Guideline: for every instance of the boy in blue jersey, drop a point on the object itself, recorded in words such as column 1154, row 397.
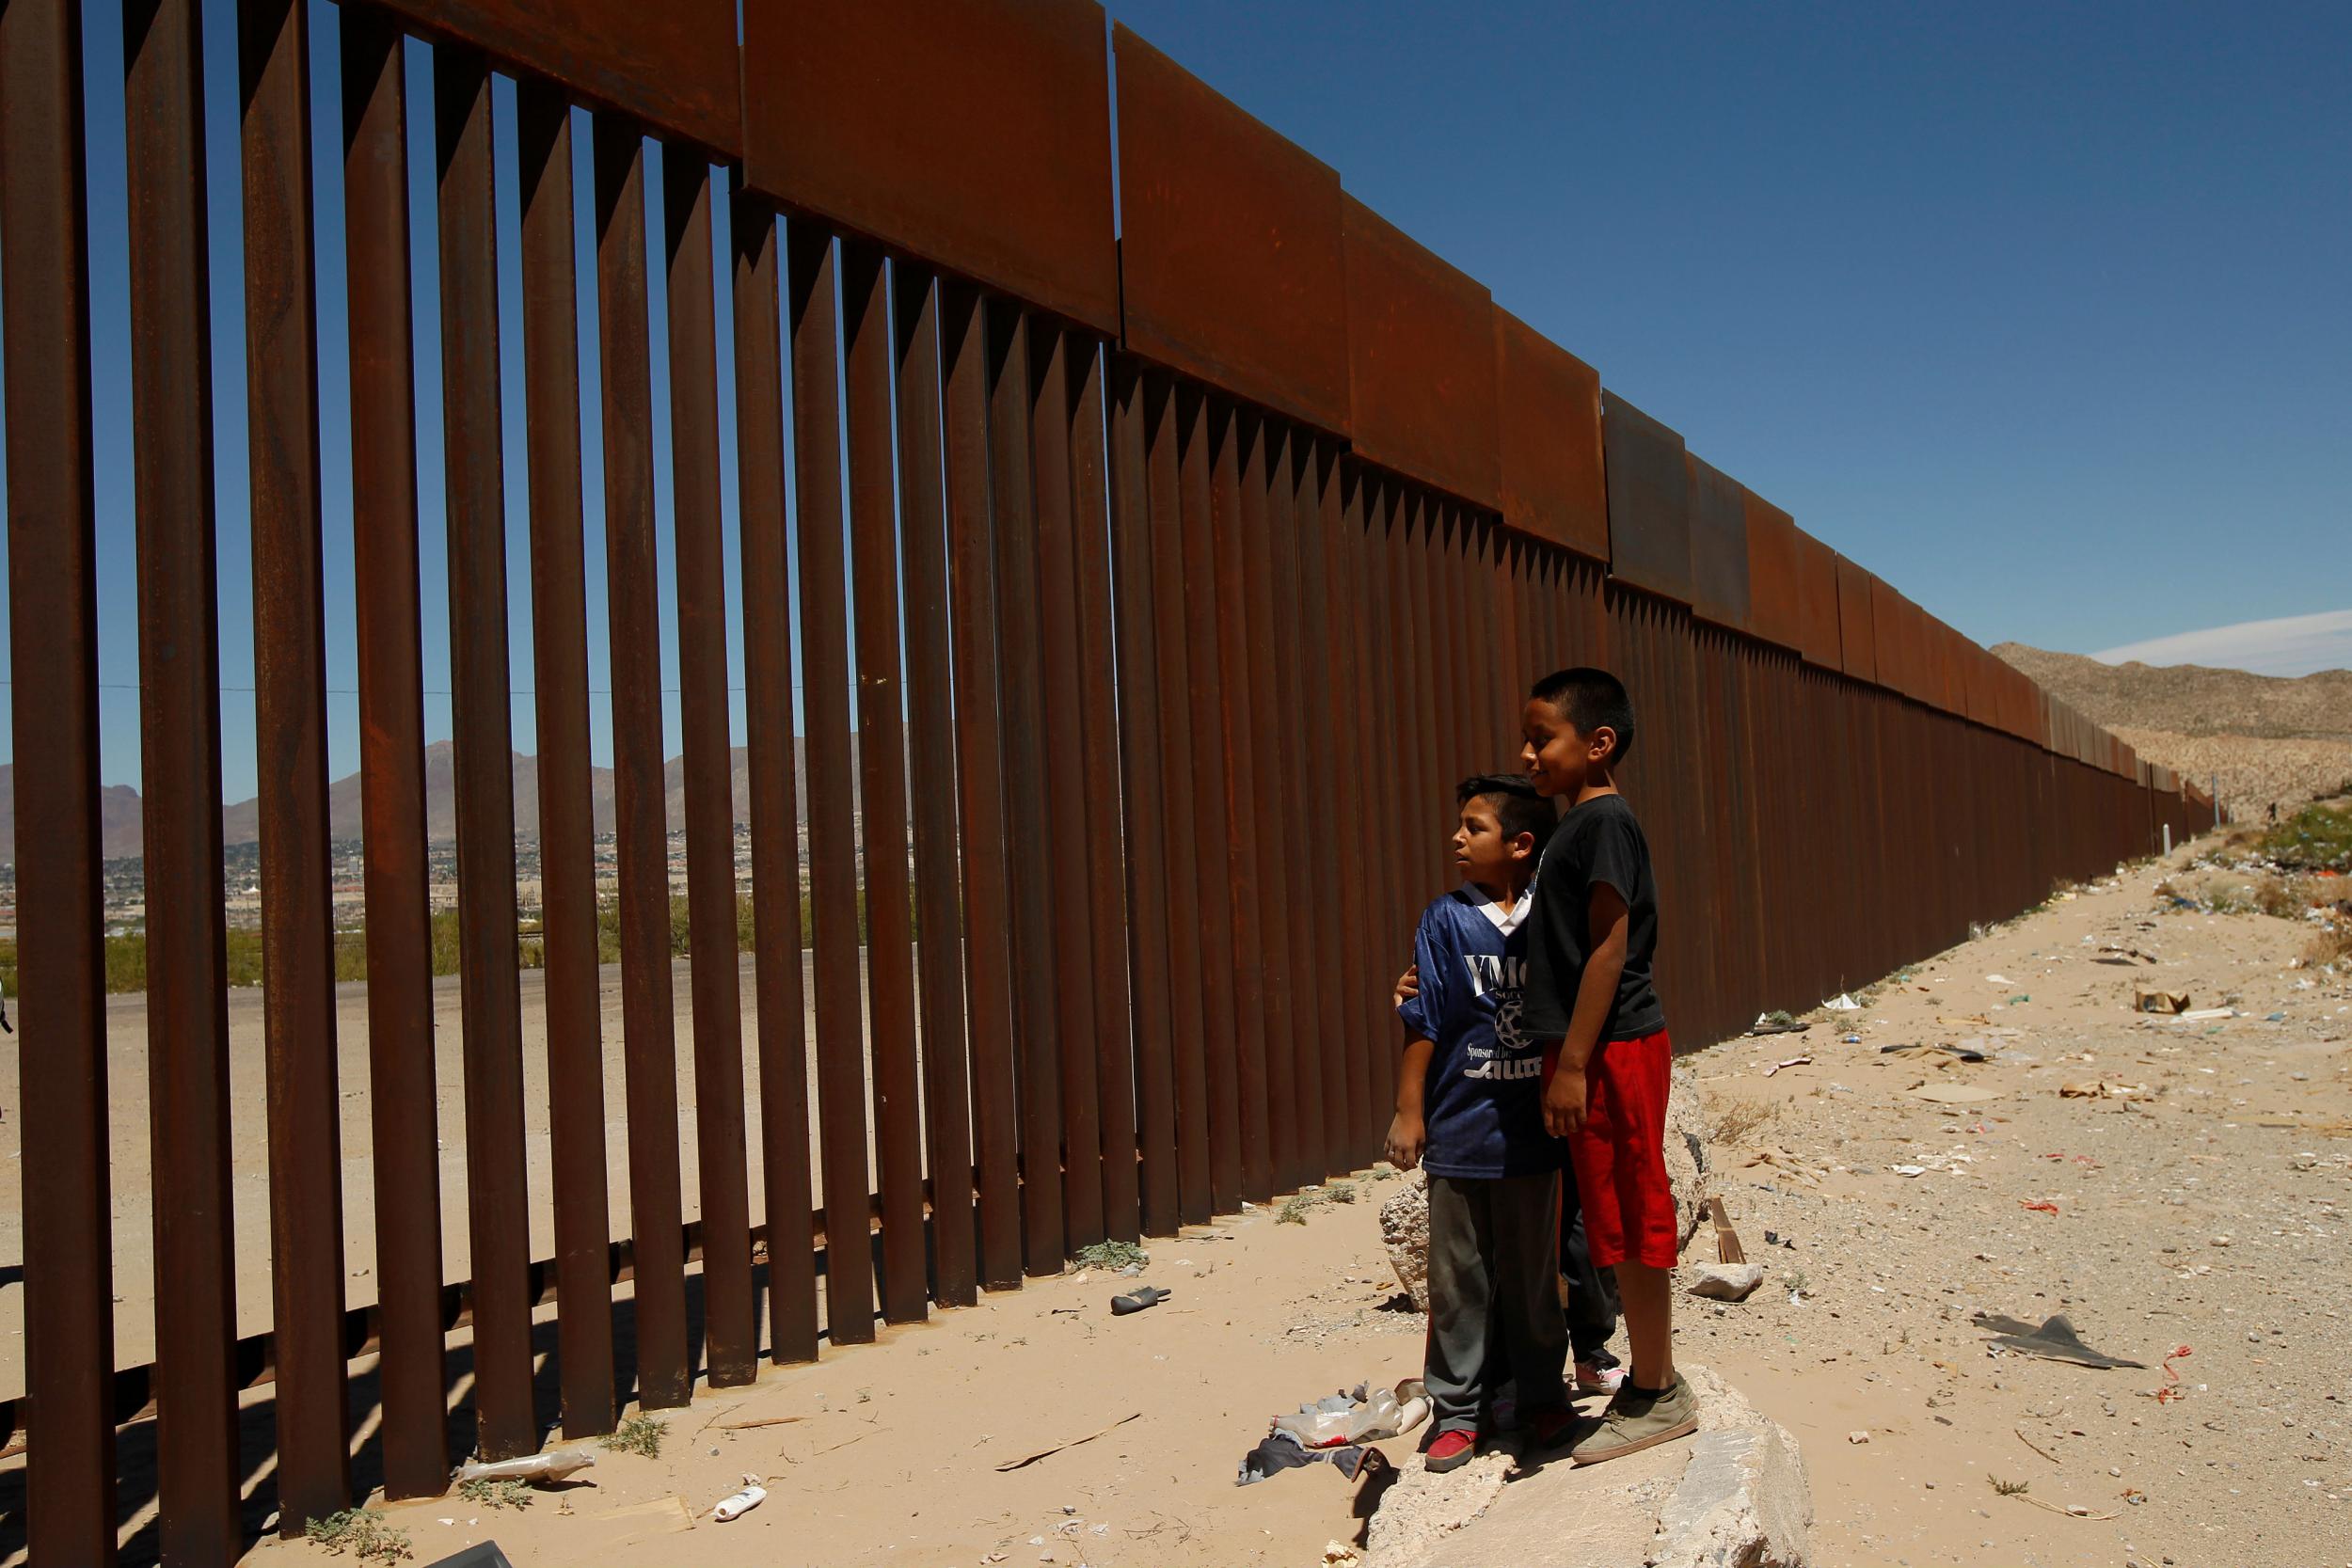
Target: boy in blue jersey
column 1470, row 1111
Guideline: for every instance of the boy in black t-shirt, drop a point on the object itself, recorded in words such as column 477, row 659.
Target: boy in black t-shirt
column 1590, row 997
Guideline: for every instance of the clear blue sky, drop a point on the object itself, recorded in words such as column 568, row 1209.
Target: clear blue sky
column 2037, row 311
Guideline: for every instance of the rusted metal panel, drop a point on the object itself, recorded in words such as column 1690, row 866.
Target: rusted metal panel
column 406, row 1146
column 672, row 66
column 1650, row 501
column 1292, row 1021
column 290, row 725
column 567, row 847
column 1203, row 435
column 777, row 979
column 980, row 773
column 1548, row 425
column 1820, row 625
column 497, row 1184
column 1857, row 639
column 1139, row 405
column 1106, row 868
column 1420, row 361
column 1231, row 266
column 1720, row 590
column 730, row 1332
column 1028, row 817
column 974, row 134
column 1052, row 354
column 1237, row 515
column 1339, row 870
column 187, row 1021
column 881, row 780
column 1890, row 641
column 1776, row 591
column 810, row 270
column 53, row 626
column 930, row 710
column 639, row 827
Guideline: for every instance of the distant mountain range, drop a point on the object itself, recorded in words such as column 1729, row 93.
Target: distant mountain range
column 119, row 804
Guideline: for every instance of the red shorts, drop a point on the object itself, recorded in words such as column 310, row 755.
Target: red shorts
column 1619, row 1154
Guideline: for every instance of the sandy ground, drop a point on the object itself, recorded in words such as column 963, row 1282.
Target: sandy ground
column 2207, row 1214
column 134, row 1220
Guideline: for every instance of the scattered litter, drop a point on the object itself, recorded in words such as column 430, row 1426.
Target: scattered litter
column 1773, row 1238
column 1136, row 1300
column 1362, row 1414
column 1842, row 1003
column 1047, row 1453
column 1775, row 1024
column 1793, row 1061
column 1954, row 1094
column 2159, row 1001
column 2038, row 1204
column 2055, row 1341
column 736, row 1504
column 1339, row 1554
column 2020, row 997
column 1277, row 1453
column 1726, row 1281
column 1999, row 980
column 2099, row 1089
column 1909, row 1171
column 540, row 1469
column 2204, row 1015
column 1727, row 1247
column 2111, row 954
column 1857, row 1437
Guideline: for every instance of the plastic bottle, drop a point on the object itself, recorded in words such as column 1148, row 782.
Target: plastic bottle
column 540, row 1469
column 735, row 1505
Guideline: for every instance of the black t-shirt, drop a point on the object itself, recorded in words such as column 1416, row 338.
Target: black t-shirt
column 1597, row 843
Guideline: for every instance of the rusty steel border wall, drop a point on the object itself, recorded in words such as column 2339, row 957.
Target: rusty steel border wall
column 1225, row 532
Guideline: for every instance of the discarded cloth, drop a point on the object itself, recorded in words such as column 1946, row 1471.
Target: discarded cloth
column 1281, row 1452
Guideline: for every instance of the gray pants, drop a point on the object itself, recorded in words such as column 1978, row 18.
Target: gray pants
column 1494, row 1263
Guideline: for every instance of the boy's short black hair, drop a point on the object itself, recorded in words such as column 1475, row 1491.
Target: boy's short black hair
column 1518, row 809
column 1590, row 700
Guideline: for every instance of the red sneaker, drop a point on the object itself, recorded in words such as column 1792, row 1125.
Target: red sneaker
column 1451, row 1451
column 1550, row 1428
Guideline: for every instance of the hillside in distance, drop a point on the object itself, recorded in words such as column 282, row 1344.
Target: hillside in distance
column 2264, row 739
column 119, row 804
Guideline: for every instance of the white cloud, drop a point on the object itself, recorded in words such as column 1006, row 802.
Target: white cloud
column 2294, row 646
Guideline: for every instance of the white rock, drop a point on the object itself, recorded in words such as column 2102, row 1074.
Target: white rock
column 1726, row 1281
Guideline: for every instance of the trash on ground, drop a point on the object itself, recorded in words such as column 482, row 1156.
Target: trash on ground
column 2000, row 980
column 1909, row 1171
column 737, row 1503
column 1136, row 1300
column 2111, row 954
column 2039, row 1206
column 2055, row 1341
column 1842, row 1003
column 1857, row 1437
column 1047, row 1453
column 1726, row 1281
column 1727, row 1247
column 2159, row 1001
column 540, row 1469
column 1793, row 1061
column 1363, row 1415
column 1954, row 1094
column 1278, row 1451
column 2099, row 1088
column 2203, row 1014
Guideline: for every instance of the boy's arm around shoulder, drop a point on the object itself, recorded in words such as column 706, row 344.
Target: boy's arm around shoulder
column 1408, row 1130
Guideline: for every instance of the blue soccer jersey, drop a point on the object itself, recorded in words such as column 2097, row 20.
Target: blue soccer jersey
column 1483, row 1102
